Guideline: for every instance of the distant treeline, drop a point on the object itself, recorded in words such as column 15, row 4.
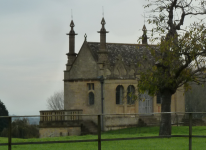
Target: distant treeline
column 21, row 128
column 31, row 120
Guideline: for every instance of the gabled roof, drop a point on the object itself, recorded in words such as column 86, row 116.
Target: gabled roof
column 131, row 53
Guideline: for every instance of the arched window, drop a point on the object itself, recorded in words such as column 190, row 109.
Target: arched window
column 130, row 94
column 91, row 98
column 119, row 94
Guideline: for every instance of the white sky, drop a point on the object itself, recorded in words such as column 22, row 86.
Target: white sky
column 34, row 43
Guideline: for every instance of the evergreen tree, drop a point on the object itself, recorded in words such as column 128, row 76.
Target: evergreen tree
column 3, row 112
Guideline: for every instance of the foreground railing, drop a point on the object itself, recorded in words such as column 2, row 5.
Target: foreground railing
column 99, row 139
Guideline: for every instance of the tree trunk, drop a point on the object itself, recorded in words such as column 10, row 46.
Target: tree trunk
column 165, row 124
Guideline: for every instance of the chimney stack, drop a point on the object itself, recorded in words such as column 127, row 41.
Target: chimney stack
column 102, row 54
column 71, row 55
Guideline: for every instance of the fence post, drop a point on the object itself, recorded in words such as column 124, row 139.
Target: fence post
column 99, row 132
column 9, row 134
column 177, row 119
column 190, row 131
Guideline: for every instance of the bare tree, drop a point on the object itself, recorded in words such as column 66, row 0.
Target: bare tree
column 56, row 101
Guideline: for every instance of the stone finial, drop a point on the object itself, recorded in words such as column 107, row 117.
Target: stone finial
column 102, row 53
column 103, row 21
column 71, row 55
column 103, row 30
column 144, row 29
column 144, row 36
column 85, row 37
column 72, row 38
column 72, row 28
column 103, row 35
column 72, row 24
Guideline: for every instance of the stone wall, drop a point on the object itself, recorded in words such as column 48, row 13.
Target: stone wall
column 76, row 97
column 114, row 122
column 60, row 131
column 110, row 106
column 84, row 66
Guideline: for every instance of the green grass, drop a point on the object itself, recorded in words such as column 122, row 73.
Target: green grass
column 142, row 144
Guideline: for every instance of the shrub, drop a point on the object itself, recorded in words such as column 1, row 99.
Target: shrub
column 22, row 129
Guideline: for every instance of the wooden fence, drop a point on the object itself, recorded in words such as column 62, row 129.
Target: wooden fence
column 99, row 140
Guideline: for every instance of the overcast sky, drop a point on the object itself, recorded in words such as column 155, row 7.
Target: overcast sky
column 34, row 43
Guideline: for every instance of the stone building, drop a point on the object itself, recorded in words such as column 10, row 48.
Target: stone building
column 117, row 63
column 100, row 77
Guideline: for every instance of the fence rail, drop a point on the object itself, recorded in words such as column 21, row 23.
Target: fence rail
column 99, row 140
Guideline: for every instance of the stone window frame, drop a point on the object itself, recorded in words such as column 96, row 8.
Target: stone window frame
column 119, row 94
column 91, row 101
column 90, row 87
column 130, row 100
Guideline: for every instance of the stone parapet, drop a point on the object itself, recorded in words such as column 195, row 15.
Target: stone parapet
column 60, row 115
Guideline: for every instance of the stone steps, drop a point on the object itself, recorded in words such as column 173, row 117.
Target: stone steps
column 88, row 127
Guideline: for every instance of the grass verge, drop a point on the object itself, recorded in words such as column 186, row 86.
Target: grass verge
column 143, row 144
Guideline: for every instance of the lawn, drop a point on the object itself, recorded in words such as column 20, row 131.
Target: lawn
column 142, row 144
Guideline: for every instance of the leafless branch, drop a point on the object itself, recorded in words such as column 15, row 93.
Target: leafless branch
column 56, row 101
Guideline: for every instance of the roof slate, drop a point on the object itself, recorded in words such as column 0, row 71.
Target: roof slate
column 131, row 53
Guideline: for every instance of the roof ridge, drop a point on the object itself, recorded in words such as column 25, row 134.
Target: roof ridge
column 125, row 44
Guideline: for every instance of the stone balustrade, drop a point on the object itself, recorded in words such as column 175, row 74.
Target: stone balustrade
column 60, row 115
